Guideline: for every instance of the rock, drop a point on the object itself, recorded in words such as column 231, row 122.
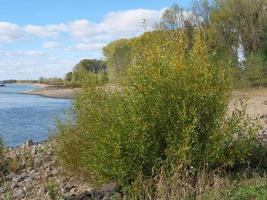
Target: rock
column 9, row 177
column 41, row 191
column 32, row 173
column 29, row 143
column 73, row 190
column 33, row 151
column 16, row 180
column 28, row 180
column 19, row 194
column 54, row 172
column 2, row 190
column 67, row 187
column 109, row 187
column 37, row 166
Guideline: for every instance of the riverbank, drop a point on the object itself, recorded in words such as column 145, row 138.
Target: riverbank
column 51, row 91
column 34, row 173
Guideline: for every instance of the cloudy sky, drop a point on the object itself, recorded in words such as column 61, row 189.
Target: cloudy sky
column 48, row 37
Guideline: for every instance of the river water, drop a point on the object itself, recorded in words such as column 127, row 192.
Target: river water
column 25, row 117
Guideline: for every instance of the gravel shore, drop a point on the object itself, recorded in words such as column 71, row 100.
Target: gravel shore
column 35, row 174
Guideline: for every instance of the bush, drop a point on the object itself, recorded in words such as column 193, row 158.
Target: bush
column 167, row 116
column 3, row 161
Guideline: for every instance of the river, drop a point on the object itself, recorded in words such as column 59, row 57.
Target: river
column 24, row 117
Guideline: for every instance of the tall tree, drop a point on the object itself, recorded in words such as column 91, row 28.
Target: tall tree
column 90, row 65
column 241, row 22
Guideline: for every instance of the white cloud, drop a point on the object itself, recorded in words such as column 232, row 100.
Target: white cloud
column 9, row 32
column 115, row 24
column 81, row 29
column 50, row 45
column 16, row 54
column 33, row 64
column 89, row 46
column 129, row 21
column 83, row 38
column 45, row 31
column 86, row 47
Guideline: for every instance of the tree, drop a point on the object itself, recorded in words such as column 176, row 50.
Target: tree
column 241, row 22
column 68, row 76
column 90, row 65
column 118, row 56
column 173, row 18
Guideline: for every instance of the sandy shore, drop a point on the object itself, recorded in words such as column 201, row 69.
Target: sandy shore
column 35, row 84
column 256, row 104
column 52, row 91
column 256, row 100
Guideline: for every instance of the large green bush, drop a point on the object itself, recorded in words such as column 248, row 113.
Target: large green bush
column 165, row 114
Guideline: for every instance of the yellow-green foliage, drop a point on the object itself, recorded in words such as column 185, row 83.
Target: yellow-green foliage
column 170, row 110
column 3, row 161
column 118, row 54
column 87, row 71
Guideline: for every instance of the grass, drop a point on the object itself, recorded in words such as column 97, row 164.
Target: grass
column 244, row 189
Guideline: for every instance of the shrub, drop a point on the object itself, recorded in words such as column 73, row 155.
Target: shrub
column 3, row 161
column 168, row 115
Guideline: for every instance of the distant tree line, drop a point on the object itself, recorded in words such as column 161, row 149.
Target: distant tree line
column 91, row 71
column 87, row 70
column 20, row 81
column 233, row 30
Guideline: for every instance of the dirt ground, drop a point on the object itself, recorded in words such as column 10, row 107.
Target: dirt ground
column 256, row 100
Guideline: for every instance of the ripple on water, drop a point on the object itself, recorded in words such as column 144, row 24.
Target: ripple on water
column 25, row 117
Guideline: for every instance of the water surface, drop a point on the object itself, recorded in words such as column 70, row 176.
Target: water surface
column 25, row 117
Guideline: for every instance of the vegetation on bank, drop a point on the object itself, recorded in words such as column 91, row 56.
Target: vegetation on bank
column 164, row 132
column 87, row 71
column 234, row 31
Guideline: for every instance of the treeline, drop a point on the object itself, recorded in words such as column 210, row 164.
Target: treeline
column 165, row 132
column 233, row 30
column 87, row 71
column 20, row 81
column 90, row 71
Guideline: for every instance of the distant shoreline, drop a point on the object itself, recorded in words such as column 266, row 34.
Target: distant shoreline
column 52, row 91
column 41, row 85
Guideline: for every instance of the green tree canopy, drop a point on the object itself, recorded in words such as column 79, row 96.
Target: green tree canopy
column 90, row 65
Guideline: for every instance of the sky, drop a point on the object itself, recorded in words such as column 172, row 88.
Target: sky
column 46, row 38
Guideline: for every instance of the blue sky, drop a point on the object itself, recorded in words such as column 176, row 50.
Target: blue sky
column 48, row 37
